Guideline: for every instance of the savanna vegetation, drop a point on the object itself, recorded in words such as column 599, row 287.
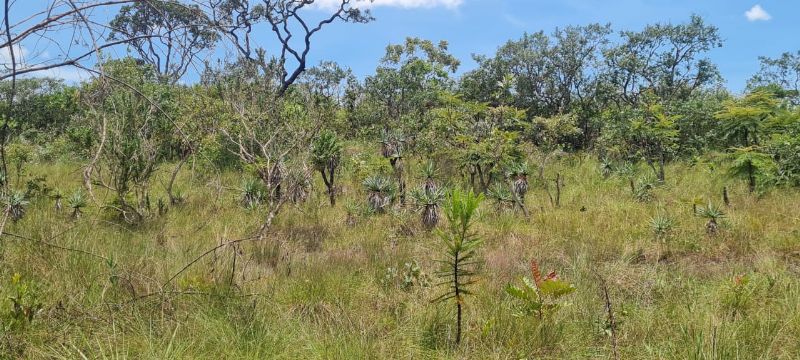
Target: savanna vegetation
column 587, row 193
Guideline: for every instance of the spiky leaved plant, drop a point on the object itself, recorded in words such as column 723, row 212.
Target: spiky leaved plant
column 353, row 210
column 606, row 168
column 662, row 226
column 76, row 201
column 57, row 197
column 298, row 181
column 380, row 192
column 15, row 203
column 428, row 202
column 253, row 193
column 518, row 174
column 714, row 214
column 458, row 267
column 502, row 197
column 429, row 174
column 326, row 153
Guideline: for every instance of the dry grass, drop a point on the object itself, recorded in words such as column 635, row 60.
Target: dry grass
column 317, row 288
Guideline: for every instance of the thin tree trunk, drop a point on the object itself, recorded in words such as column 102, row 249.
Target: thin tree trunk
column 172, row 199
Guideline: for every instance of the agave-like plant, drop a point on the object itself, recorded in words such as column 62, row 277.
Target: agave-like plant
column 429, row 172
column 253, row 193
column 380, row 192
column 428, row 202
column 643, row 191
column 714, row 214
column 57, row 197
column 662, row 226
column 77, row 201
column 606, row 168
column 518, row 174
column 502, row 197
column 16, row 203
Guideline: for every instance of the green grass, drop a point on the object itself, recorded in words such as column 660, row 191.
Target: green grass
column 318, row 289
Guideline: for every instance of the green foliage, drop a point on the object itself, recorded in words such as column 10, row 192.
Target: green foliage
column 77, row 201
column 24, row 303
column 502, row 197
column 381, row 191
column 662, row 226
column 326, row 154
column 540, row 296
column 428, row 201
column 253, row 193
column 743, row 120
column 410, row 276
column 458, row 266
column 752, row 165
column 16, row 204
column 714, row 214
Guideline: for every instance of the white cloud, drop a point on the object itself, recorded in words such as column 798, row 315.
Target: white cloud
column 757, row 13
column 406, row 4
column 19, row 56
column 22, row 59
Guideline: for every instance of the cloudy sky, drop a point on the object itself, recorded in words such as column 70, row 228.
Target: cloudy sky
column 750, row 29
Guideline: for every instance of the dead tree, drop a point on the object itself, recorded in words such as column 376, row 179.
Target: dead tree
column 236, row 19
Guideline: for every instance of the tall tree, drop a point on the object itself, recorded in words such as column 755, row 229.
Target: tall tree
column 665, row 58
column 783, row 71
column 184, row 29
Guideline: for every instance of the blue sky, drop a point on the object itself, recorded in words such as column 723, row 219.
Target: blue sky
column 480, row 26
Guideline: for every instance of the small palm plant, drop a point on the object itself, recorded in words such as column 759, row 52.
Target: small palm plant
column 518, row 174
column 606, row 168
column 57, row 197
column 458, row 267
column 326, row 153
column 539, row 295
column 380, row 192
column 76, row 202
column 662, row 226
column 428, row 201
column 714, row 214
column 643, row 191
column 501, row 196
column 253, row 193
column 16, row 204
column 429, row 173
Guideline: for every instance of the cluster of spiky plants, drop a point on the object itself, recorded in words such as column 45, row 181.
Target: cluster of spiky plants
column 713, row 214
column 15, row 203
column 380, row 192
column 76, row 202
column 429, row 196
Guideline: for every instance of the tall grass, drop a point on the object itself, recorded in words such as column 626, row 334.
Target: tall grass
column 317, row 288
